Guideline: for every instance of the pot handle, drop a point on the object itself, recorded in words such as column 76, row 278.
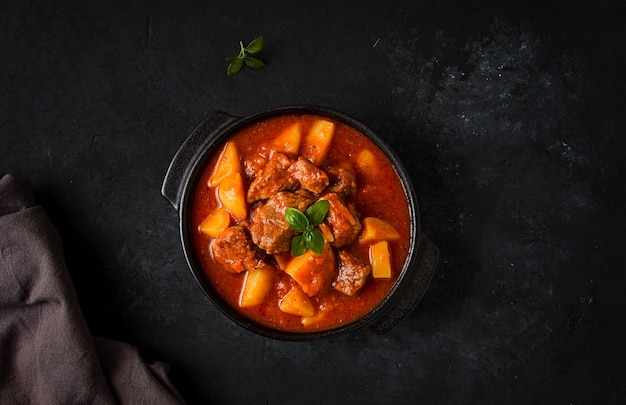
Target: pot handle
column 410, row 296
column 188, row 153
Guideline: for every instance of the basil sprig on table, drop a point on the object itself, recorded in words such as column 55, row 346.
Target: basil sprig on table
column 305, row 223
column 236, row 63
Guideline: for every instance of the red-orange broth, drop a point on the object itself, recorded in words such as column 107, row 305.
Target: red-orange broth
column 379, row 194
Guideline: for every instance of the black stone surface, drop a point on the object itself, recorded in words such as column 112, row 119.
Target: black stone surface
column 509, row 117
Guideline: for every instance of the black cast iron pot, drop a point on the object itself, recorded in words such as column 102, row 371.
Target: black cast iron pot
column 181, row 181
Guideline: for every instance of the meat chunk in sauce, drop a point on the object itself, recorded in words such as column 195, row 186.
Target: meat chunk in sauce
column 342, row 180
column 308, row 175
column 268, row 226
column 352, row 275
column 342, row 219
column 234, row 250
column 273, row 178
column 254, row 165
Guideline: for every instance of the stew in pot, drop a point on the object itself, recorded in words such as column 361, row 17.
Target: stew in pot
column 302, row 223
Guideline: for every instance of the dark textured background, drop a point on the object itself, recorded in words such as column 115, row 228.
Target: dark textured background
column 510, row 119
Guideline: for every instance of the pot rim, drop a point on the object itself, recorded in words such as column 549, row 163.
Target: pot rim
column 190, row 182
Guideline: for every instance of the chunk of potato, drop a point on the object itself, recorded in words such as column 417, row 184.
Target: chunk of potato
column 296, row 302
column 317, row 141
column 232, row 195
column 319, row 316
column 227, row 164
column 380, row 259
column 256, row 284
column 313, row 272
column 288, row 142
column 282, row 259
column 215, row 223
column 375, row 230
column 366, row 163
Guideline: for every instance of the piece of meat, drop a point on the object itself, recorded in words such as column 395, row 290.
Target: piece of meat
column 234, row 250
column 352, row 274
column 342, row 180
column 269, row 228
column 271, row 179
column 253, row 166
column 342, row 219
column 308, row 175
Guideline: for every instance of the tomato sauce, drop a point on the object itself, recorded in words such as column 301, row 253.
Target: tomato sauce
column 379, row 194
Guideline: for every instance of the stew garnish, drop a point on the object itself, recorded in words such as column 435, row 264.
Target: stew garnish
column 236, row 63
column 305, row 223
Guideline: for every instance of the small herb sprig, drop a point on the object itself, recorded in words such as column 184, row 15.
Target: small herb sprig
column 305, row 223
column 236, row 63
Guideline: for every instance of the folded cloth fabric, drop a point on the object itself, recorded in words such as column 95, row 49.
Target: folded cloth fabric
column 47, row 355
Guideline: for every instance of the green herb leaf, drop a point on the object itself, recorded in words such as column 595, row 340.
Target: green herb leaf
column 316, row 212
column 298, row 245
column 315, row 241
column 255, row 46
column 296, row 220
column 305, row 223
column 236, row 63
column 235, row 66
column 254, row 62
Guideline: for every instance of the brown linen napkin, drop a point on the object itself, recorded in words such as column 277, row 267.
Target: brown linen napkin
column 47, row 355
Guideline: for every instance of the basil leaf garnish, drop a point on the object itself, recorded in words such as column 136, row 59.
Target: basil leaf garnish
column 253, row 62
column 298, row 245
column 235, row 64
column 315, row 241
column 305, row 223
column 316, row 212
column 256, row 45
column 296, row 220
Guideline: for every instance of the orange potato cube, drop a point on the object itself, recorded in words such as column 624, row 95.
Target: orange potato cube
column 366, row 163
column 296, row 302
column 309, row 321
column 288, row 142
column 232, row 195
column 375, row 230
column 227, row 164
column 320, row 314
column 256, row 284
column 313, row 272
column 380, row 259
column 282, row 259
column 317, row 142
column 215, row 223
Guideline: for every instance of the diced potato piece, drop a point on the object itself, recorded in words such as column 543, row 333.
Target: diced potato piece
column 256, row 284
column 215, row 223
column 320, row 315
column 308, row 321
column 282, row 259
column 227, row 164
column 312, row 271
column 375, row 230
column 366, row 163
column 288, row 142
column 232, row 195
column 296, row 302
column 380, row 259
column 317, row 142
